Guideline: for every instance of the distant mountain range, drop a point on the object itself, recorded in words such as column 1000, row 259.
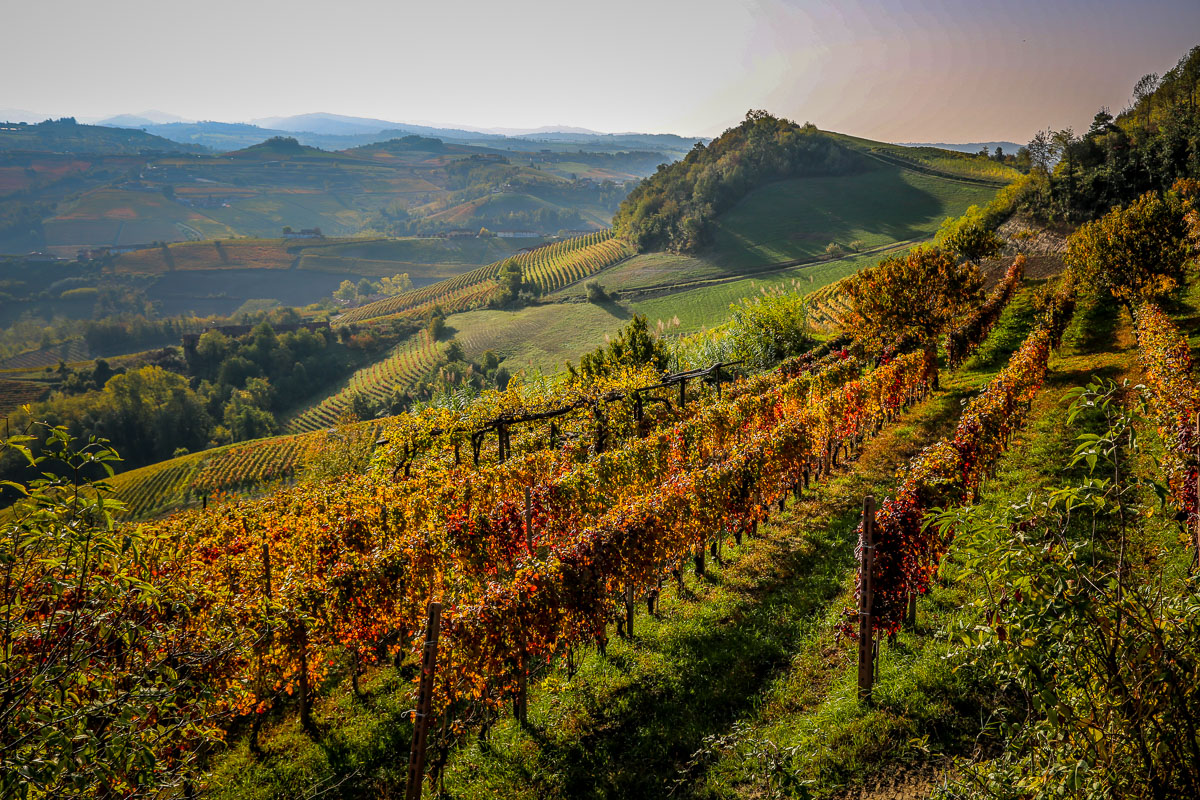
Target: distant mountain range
column 967, row 147
column 68, row 136
column 338, row 132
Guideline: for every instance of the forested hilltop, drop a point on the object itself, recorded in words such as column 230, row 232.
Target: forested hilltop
column 675, row 208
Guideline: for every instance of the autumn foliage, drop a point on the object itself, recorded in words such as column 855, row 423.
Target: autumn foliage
column 949, row 472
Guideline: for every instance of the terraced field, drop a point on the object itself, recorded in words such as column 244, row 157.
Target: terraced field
column 70, row 352
column 185, row 480
column 826, row 307
column 14, row 394
column 552, row 266
column 402, row 368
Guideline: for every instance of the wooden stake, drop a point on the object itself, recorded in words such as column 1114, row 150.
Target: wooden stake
column 521, row 701
column 528, row 522
column 416, row 759
column 305, row 712
column 866, row 655
column 629, row 612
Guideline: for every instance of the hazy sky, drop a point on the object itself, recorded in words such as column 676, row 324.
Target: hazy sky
column 907, row 70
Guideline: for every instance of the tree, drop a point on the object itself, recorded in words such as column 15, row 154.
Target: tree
column 1143, row 93
column 512, row 284
column 489, row 362
column 347, row 292
column 360, row 406
column 770, row 327
column 595, row 292
column 1041, row 152
column 1138, row 252
column 437, row 323
column 1064, row 143
column 245, row 419
column 969, row 236
column 634, row 346
column 397, row 284
column 918, row 295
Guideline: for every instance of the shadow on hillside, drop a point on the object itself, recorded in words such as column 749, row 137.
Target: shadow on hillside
column 878, row 201
column 615, row 309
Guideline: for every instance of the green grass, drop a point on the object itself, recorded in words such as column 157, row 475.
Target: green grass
column 925, row 707
column 708, row 306
column 538, row 338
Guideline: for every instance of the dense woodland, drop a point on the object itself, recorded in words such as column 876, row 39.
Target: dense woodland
column 224, row 388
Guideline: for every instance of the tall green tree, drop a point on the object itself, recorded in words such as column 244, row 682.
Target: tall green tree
column 634, row 346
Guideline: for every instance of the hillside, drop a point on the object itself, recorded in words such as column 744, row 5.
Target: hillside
column 66, row 136
column 777, row 236
column 398, row 187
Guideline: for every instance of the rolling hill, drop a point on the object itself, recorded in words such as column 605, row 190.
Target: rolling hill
column 67, row 136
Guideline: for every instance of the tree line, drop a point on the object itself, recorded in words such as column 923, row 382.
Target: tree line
column 1146, row 148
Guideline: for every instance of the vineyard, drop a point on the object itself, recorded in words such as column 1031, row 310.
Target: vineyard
column 71, row 351
column 556, row 265
column 549, row 266
column 188, row 480
column 407, row 364
column 14, row 394
column 826, row 307
column 533, row 519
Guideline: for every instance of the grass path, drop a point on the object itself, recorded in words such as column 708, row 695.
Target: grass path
column 628, row 725
column 924, row 709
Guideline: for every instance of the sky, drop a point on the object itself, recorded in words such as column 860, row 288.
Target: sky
column 893, row 70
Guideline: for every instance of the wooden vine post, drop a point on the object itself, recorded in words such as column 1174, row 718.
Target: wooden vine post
column 866, row 637
column 1197, row 542
column 629, row 598
column 416, row 759
column 521, row 701
column 528, row 521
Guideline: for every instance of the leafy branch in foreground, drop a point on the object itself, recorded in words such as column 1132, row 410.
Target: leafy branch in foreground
column 1089, row 625
column 100, row 695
